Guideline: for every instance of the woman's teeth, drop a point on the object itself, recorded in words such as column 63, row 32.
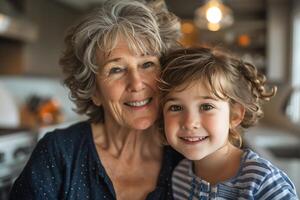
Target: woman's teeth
column 138, row 103
column 194, row 139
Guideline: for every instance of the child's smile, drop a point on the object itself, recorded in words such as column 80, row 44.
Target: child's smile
column 193, row 139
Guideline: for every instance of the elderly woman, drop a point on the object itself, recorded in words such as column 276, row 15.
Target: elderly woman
column 111, row 63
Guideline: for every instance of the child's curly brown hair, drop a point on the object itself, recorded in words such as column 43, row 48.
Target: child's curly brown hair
column 227, row 77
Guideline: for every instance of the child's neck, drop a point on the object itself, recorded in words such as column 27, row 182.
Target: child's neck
column 219, row 166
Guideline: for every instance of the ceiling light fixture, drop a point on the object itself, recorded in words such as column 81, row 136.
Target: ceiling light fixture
column 213, row 16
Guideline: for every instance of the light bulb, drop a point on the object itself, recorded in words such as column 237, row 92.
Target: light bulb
column 214, row 15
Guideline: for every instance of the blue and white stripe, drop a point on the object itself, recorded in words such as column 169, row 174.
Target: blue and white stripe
column 256, row 179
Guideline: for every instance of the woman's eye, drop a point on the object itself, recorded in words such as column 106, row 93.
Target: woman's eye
column 206, row 107
column 175, row 108
column 116, row 70
column 148, row 64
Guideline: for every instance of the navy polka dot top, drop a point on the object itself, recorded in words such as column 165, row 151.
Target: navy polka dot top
column 65, row 165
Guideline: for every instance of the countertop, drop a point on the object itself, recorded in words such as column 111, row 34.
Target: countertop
column 278, row 145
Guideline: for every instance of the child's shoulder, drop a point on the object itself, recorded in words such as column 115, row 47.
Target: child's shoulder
column 262, row 171
column 184, row 166
column 183, row 172
column 254, row 163
column 264, row 176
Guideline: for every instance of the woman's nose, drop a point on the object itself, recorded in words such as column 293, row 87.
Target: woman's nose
column 136, row 82
column 191, row 122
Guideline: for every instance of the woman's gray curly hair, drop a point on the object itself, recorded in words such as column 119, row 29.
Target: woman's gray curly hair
column 149, row 28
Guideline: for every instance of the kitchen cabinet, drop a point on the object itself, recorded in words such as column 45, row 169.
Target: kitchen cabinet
column 39, row 56
column 11, row 56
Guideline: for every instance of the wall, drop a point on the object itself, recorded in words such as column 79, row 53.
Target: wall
column 52, row 18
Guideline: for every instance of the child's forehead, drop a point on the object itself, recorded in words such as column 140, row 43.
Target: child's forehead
column 201, row 87
column 198, row 86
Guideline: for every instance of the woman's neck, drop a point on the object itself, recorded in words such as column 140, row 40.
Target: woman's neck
column 219, row 166
column 126, row 155
column 125, row 143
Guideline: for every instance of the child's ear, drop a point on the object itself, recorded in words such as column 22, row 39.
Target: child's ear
column 237, row 114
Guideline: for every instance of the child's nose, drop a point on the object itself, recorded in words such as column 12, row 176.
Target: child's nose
column 191, row 122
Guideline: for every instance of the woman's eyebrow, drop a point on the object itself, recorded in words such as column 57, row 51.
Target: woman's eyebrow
column 112, row 60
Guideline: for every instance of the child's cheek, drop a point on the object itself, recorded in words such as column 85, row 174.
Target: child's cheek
column 171, row 126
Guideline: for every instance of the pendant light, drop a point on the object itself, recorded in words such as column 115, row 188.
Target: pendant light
column 213, row 16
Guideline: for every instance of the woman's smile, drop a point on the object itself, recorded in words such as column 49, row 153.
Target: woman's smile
column 139, row 104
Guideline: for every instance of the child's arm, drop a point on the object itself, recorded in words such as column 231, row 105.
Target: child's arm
column 276, row 185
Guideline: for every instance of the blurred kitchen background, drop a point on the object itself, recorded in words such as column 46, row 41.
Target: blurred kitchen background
column 33, row 100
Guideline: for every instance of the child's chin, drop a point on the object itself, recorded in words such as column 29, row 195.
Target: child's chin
column 194, row 157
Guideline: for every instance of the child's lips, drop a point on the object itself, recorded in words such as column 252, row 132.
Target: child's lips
column 193, row 139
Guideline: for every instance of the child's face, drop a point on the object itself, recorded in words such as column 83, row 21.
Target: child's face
column 196, row 124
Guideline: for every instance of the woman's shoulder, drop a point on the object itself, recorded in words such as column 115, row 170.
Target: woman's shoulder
column 52, row 162
column 76, row 131
column 172, row 156
column 66, row 140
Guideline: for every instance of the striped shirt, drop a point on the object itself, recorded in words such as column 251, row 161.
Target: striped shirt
column 257, row 178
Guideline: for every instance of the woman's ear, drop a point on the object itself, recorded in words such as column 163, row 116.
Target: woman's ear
column 96, row 97
column 237, row 115
column 96, row 100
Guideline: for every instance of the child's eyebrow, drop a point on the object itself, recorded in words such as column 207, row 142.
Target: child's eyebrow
column 171, row 99
column 209, row 97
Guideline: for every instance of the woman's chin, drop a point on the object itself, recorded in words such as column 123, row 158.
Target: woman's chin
column 142, row 124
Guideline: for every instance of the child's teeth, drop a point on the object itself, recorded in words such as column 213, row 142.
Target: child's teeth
column 194, row 139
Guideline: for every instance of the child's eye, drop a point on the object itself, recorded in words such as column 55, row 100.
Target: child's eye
column 175, row 108
column 116, row 70
column 206, row 107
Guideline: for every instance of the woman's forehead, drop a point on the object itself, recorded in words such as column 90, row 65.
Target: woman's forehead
column 138, row 45
column 120, row 52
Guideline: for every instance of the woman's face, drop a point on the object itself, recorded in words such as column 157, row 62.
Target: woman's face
column 126, row 88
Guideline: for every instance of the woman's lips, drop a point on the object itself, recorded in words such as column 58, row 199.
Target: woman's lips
column 138, row 104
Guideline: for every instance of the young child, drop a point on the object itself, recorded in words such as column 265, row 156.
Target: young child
column 207, row 98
